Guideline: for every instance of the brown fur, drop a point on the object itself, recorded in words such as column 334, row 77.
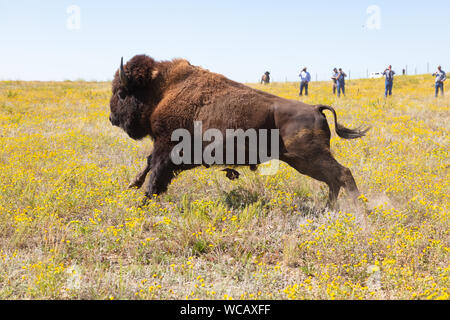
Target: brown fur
column 164, row 96
column 140, row 177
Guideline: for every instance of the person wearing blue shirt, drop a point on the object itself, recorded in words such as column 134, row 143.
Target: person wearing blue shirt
column 389, row 74
column 340, row 81
column 305, row 78
column 439, row 82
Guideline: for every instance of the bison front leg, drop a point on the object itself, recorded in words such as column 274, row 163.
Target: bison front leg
column 140, row 178
column 162, row 173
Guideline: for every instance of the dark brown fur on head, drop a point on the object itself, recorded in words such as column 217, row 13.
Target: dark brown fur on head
column 131, row 103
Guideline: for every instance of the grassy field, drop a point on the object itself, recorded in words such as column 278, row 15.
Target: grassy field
column 70, row 229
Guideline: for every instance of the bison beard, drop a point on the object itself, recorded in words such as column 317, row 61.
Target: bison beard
column 131, row 117
column 153, row 99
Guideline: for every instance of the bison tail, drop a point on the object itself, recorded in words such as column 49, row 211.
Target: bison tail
column 342, row 131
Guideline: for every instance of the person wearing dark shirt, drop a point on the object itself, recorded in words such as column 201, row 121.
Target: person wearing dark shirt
column 340, row 82
column 389, row 83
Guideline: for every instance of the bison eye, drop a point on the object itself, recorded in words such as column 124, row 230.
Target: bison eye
column 122, row 94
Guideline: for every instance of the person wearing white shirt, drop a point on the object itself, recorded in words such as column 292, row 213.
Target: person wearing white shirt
column 305, row 78
column 439, row 82
column 334, row 78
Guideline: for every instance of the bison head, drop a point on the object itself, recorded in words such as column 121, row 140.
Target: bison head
column 133, row 96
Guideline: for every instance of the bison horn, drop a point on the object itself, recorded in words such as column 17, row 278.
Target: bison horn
column 122, row 75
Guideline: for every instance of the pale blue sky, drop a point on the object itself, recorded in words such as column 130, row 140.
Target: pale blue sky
column 240, row 39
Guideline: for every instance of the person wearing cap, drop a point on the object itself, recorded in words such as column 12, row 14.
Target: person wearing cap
column 334, row 78
column 389, row 83
column 340, row 81
column 439, row 82
column 305, row 78
column 265, row 78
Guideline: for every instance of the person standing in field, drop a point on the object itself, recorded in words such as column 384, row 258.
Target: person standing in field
column 440, row 78
column 340, row 81
column 334, row 78
column 305, row 78
column 265, row 78
column 389, row 74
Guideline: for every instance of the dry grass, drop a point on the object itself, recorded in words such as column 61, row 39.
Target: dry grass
column 70, row 229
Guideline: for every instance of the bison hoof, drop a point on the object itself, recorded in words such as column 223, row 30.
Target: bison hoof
column 146, row 198
column 137, row 182
column 144, row 201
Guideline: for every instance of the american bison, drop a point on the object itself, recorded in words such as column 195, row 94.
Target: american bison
column 155, row 98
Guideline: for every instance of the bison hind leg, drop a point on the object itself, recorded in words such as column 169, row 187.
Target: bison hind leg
column 326, row 169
